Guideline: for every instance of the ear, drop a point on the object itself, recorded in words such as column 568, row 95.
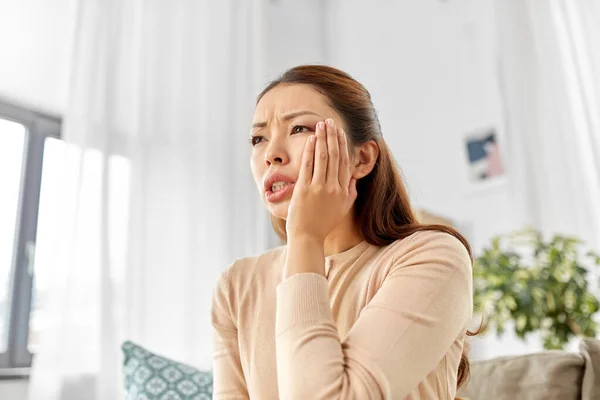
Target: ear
column 365, row 157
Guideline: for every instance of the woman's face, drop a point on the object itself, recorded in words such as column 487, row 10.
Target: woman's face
column 283, row 120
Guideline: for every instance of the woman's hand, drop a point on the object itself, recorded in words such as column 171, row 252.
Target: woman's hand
column 325, row 190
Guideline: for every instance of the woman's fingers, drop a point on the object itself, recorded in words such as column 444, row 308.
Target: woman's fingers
column 308, row 158
column 320, row 172
column 333, row 153
column 345, row 173
column 352, row 190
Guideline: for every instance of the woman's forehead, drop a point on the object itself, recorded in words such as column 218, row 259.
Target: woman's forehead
column 287, row 98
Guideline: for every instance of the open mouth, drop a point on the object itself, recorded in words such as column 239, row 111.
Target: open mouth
column 278, row 190
column 280, row 185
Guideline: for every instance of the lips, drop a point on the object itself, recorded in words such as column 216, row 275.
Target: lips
column 278, row 186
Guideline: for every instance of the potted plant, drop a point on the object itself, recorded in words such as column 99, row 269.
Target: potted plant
column 541, row 285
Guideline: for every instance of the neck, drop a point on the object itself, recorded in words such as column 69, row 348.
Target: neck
column 344, row 236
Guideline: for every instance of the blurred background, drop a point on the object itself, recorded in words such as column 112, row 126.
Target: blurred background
column 125, row 179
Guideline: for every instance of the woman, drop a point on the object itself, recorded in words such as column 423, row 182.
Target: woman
column 363, row 302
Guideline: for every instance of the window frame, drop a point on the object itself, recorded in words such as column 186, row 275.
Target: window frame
column 39, row 126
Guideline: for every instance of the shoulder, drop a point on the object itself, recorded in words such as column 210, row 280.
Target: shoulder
column 431, row 247
column 246, row 272
column 266, row 264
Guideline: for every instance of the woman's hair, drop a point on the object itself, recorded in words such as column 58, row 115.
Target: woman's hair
column 382, row 208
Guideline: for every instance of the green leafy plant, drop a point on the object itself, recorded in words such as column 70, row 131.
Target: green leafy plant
column 541, row 285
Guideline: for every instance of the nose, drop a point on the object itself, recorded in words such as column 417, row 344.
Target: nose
column 276, row 154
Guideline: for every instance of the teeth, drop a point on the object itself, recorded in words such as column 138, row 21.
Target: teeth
column 278, row 186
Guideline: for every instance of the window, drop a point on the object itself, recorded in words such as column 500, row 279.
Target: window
column 25, row 137
column 11, row 165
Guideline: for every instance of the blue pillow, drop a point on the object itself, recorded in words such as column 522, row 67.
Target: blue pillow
column 152, row 377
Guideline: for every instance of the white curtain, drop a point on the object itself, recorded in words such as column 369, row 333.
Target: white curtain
column 549, row 64
column 156, row 196
column 549, row 70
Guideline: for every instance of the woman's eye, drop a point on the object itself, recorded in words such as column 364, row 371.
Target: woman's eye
column 300, row 129
column 254, row 140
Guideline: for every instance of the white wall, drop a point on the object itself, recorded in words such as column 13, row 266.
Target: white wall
column 429, row 66
column 296, row 34
column 36, row 38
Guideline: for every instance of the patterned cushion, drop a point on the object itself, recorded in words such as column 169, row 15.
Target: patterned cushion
column 152, row 377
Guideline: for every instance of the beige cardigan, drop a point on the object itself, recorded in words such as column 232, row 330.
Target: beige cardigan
column 387, row 323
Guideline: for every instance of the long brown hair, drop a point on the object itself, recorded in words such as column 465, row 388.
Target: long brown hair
column 382, row 209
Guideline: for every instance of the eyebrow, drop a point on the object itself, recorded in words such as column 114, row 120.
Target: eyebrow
column 286, row 117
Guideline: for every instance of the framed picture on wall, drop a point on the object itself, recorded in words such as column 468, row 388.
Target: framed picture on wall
column 484, row 156
column 485, row 162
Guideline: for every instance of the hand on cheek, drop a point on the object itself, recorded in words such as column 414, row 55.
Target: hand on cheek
column 325, row 190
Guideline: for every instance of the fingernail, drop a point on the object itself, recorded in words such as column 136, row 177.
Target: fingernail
column 321, row 125
column 329, row 122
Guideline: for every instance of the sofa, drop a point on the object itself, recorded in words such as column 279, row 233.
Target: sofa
column 547, row 375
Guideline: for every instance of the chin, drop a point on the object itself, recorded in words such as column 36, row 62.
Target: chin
column 280, row 209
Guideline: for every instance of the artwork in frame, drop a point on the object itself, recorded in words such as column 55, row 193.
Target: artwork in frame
column 484, row 157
